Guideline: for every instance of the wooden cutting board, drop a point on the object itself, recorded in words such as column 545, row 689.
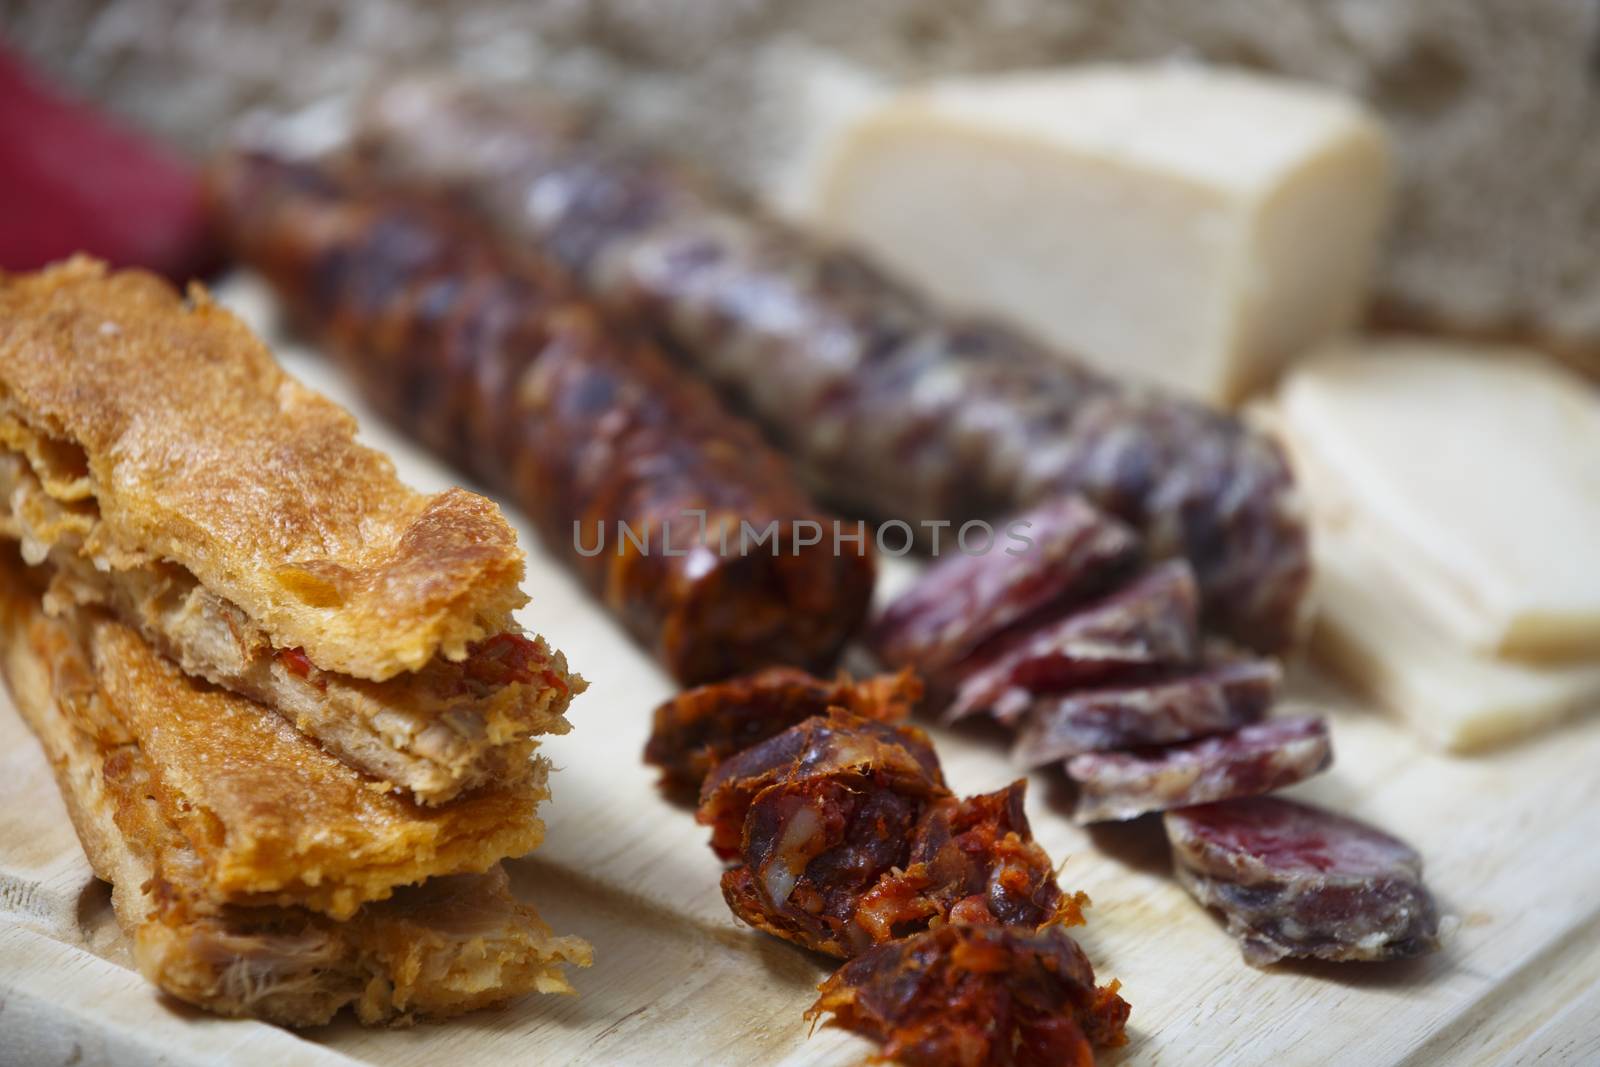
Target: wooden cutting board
column 1509, row 841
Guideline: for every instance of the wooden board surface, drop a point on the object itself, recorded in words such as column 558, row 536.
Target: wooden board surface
column 1508, row 840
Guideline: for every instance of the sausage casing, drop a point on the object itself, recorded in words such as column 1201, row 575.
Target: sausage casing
column 492, row 360
column 892, row 409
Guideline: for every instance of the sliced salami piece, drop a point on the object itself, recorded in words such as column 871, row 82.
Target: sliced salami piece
column 1295, row 880
column 1257, row 759
column 1075, row 551
column 701, row 727
column 979, row 996
column 1148, row 626
column 1210, row 701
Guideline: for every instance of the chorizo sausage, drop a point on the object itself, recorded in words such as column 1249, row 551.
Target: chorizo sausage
column 843, row 835
column 494, row 361
column 701, row 727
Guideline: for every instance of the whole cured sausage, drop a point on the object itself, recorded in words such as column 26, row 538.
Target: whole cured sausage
column 633, row 473
column 893, row 409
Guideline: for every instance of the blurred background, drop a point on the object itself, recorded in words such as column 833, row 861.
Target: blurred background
column 1494, row 104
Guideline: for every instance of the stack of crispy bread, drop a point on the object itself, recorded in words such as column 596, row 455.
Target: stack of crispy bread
column 283, row 693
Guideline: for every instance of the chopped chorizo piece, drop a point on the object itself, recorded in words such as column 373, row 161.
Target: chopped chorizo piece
column 977, row 996
column 1213, row 700
column 1074, row 551
column 840, row 746
column 971, row 861
column 1148, row 626
column 846, row 837
column 1256, row 759
column 893, row 407
column 1294, row 880
column 699, row 728
column 812, row 848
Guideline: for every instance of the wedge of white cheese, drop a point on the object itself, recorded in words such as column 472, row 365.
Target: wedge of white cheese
column 1458, row 699
column 1189, row 226
column 1472, row 477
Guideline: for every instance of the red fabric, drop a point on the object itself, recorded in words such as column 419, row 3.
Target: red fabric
column 72, row 180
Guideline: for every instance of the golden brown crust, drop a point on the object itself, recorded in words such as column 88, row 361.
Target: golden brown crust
column 273, row 817
column 450, row 945
column 199, row 449
column 268, row 816
column 436, row 733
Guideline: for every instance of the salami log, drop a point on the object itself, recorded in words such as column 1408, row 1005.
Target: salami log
column 893, row 409
column 1248, row 762
column 633, row 473
column 1294, row 880
column 979, row 997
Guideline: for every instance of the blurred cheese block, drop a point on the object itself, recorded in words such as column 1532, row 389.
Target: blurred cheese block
column 1459, row 699
column 1192, row 227
column 1473, row 476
